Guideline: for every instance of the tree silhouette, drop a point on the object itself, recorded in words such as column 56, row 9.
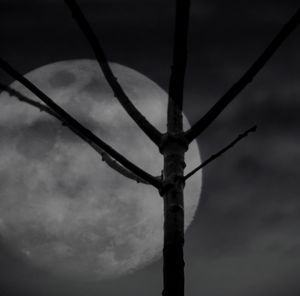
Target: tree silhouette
column 172, row 145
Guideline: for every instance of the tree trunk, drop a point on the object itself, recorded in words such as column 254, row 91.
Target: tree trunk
column 173, row 260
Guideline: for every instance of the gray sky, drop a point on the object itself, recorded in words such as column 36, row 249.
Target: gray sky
column 245, row 238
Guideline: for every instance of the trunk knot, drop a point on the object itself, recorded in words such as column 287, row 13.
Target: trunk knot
column 168, row 185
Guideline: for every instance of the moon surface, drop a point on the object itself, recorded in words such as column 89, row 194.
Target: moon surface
column 61, row 208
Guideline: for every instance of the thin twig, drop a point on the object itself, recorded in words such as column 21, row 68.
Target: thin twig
column 74, row 124
column 24, row 99
column 222, row 151
column 223, row 102
column 105, row 157
column 119, row 93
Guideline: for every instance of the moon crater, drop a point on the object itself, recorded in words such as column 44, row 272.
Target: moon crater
column 62, row 79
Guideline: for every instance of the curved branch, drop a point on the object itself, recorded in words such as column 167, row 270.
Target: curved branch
column 105, row 157
column 74, row 124
column 119, row 93
column 223, row 102
column 222, row 151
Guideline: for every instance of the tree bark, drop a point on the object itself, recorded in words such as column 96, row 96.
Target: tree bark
column 173, row 259
column 173, row 146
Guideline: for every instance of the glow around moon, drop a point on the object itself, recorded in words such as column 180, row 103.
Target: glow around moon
column 61, row 207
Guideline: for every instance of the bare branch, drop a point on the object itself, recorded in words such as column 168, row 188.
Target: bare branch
column 223, row 102
column 105, row 157
column 222, row 151
column 176, row 85
column 24, row 99
column 119, row 93
column 74, row 124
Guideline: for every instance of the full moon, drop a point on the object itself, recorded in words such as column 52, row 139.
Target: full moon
column 62, row 208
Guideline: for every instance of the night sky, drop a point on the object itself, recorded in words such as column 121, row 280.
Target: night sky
column 245, row 238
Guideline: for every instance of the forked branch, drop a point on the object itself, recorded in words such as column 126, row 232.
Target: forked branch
column 223, row 102
column 221, row 152
column 105, row 157
column 72, row 122
column 176, row 84
column 119, row 93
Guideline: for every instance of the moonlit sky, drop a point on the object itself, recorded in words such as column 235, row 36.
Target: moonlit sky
column 245, row 239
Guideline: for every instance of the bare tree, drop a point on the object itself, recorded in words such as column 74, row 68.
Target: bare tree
column 172, row 145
